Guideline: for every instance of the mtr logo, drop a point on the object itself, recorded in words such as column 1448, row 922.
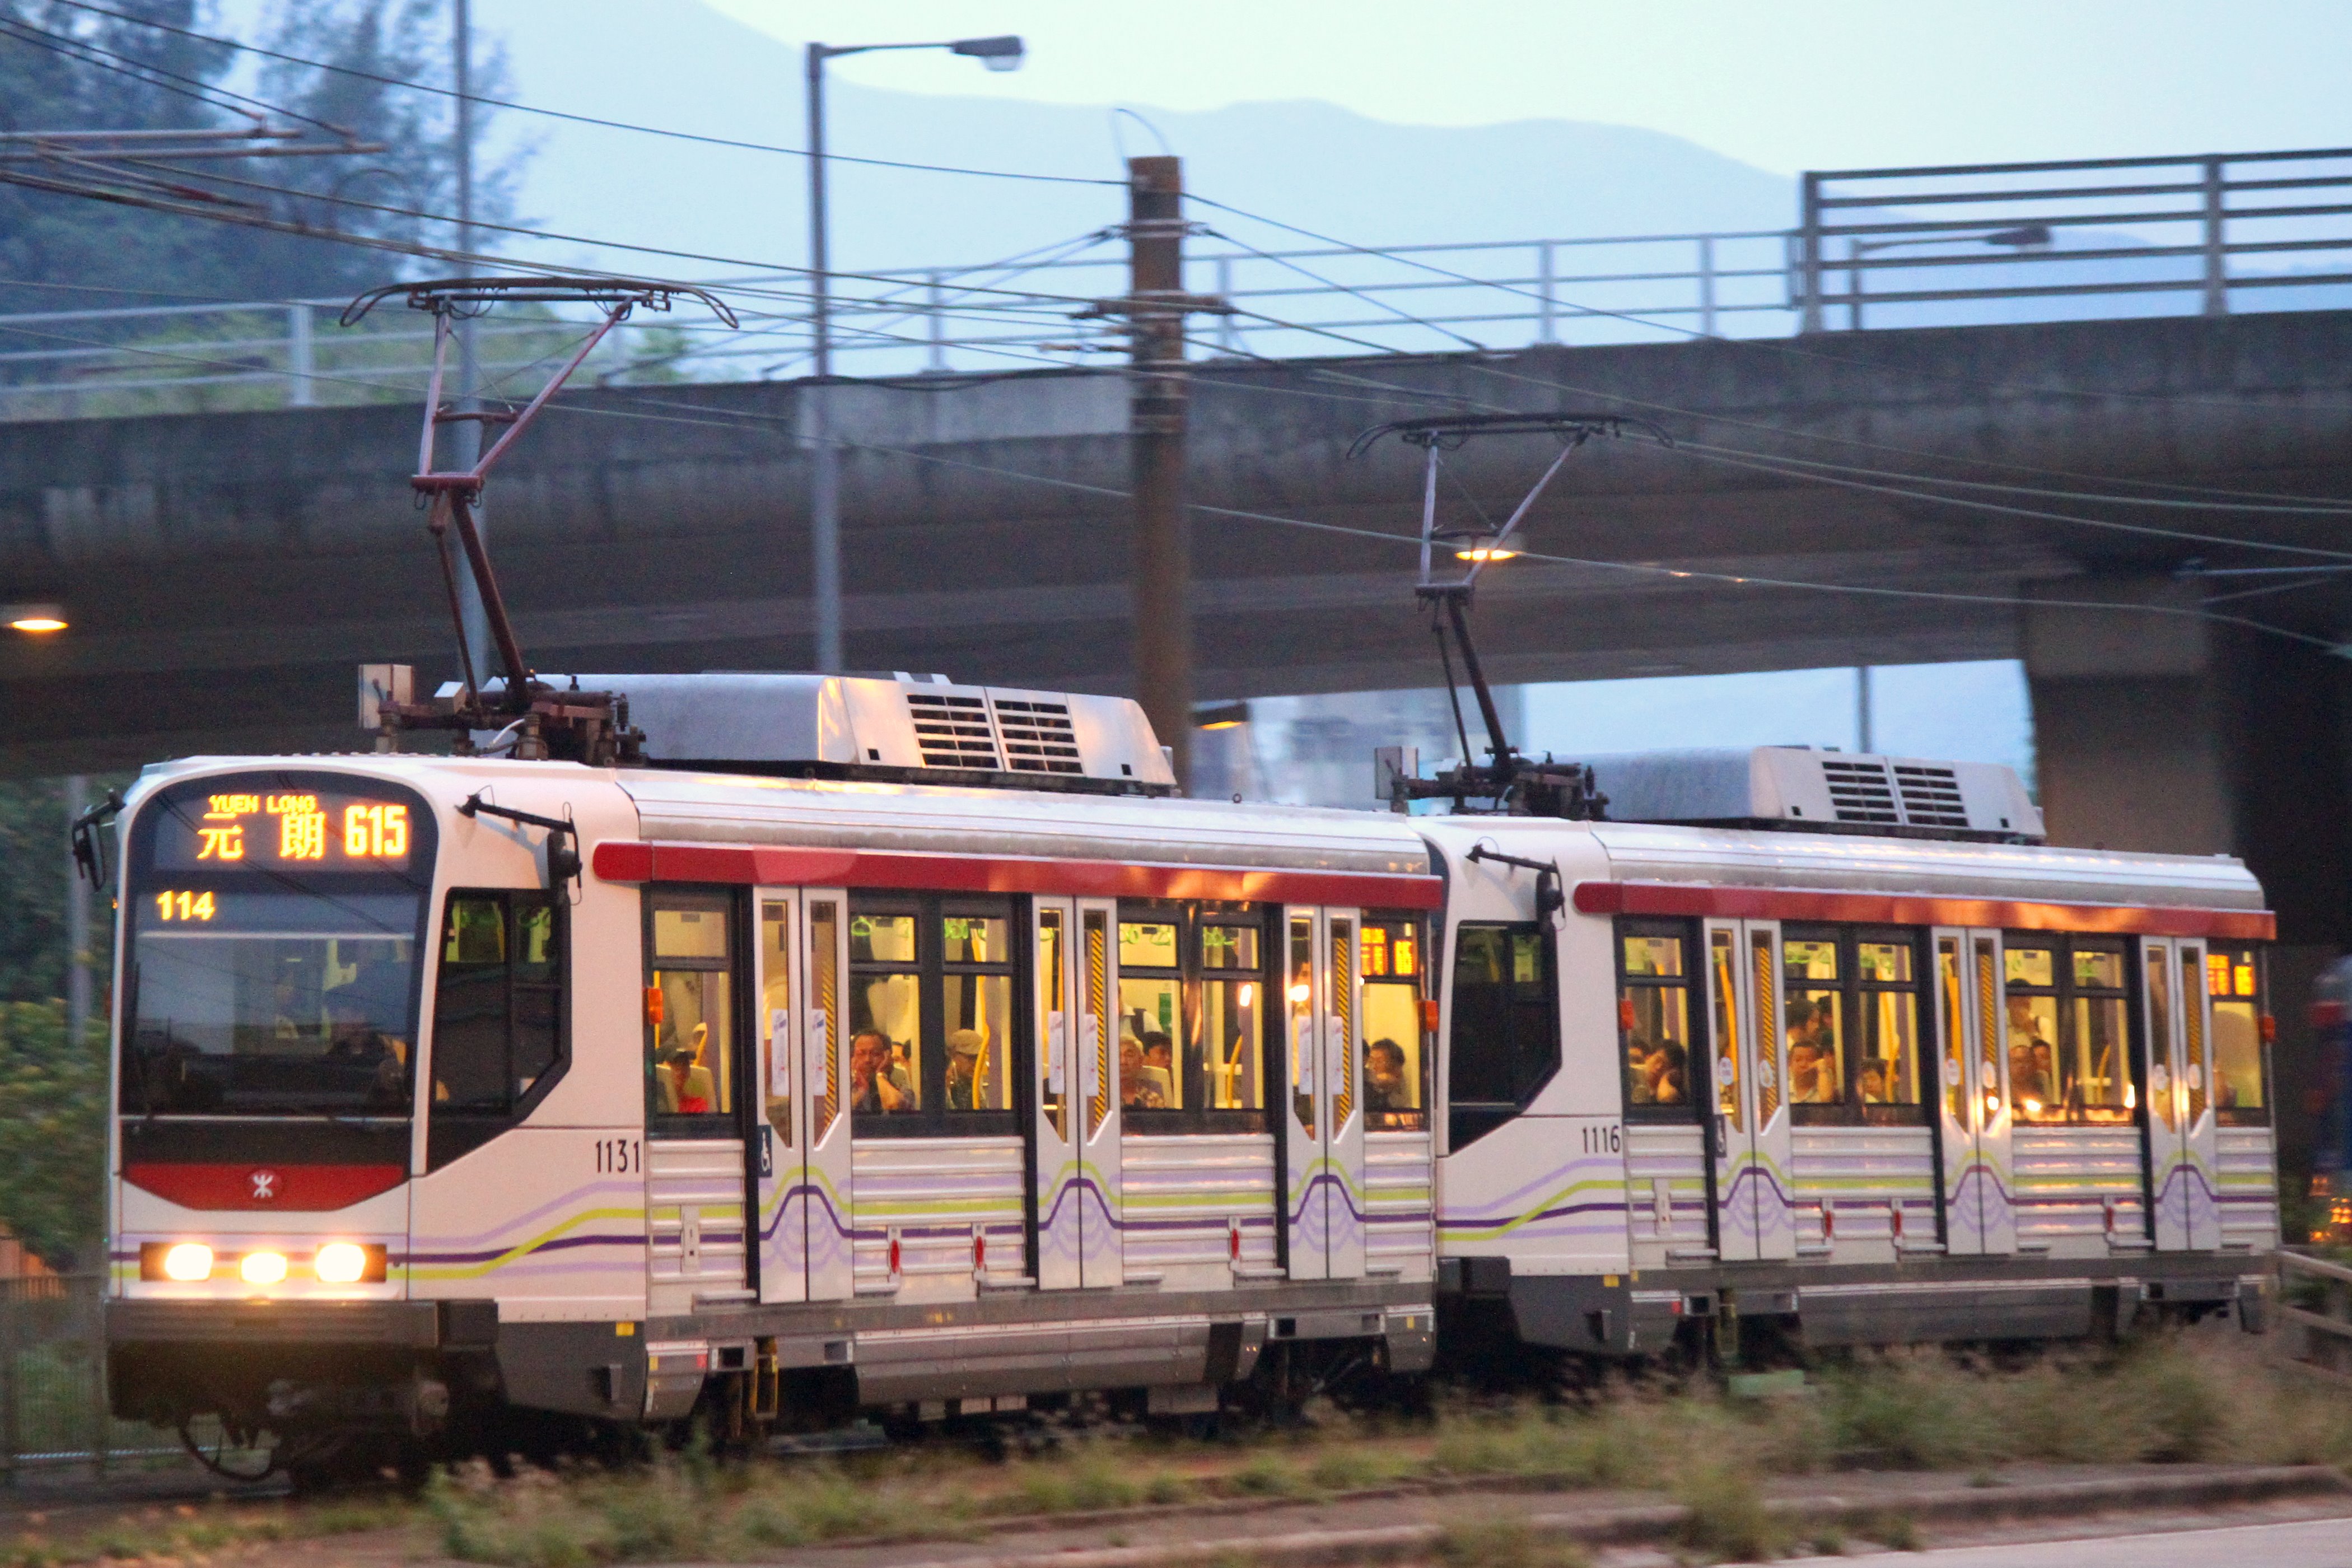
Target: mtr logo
column 283, row 1188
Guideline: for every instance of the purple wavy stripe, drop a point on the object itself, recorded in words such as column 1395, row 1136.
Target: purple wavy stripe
column 561, row 1244
column 574, row 1198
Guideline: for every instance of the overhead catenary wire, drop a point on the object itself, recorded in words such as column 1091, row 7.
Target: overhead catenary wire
column 1733, row 456
column 734, row 417
column 1721, row 455
column 214, row 97
column 520, row 108
column 1236, row 211
column 1772, row 345
column 1320, row 237
column 707, row 417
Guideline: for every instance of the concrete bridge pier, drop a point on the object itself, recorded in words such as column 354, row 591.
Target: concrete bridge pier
column 2172, row 732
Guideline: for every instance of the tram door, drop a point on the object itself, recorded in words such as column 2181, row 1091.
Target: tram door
column 1972, row 1081
column 1058, row 1134
column 1323, row 1115
column 1751, row 1134
column 2179, row 1099
column 801, row 1142
column 1094, row 1074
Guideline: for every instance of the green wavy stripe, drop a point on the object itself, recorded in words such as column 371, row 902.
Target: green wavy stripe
column 521, row 1249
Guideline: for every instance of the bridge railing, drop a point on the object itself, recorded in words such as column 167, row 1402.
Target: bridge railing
column 2112, row 237
column 1875, row 248
column 1322, row 300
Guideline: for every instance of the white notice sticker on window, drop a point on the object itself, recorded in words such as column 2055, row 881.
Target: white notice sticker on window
column 780, row 1054
column 1057, row 1051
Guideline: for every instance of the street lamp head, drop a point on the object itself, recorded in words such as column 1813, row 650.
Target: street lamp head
column 2024, row 237
column 1002, row 54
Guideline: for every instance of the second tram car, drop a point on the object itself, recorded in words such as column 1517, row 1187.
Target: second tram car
column 901, row 1046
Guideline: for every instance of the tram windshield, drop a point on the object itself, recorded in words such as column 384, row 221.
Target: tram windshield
column 269, row 975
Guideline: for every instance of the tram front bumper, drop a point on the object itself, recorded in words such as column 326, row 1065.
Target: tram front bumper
column 414, row 1325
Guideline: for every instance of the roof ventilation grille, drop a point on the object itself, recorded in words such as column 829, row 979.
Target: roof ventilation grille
column 1860, row 791
column 1038, row 737
column 1931, row 797
column 952, row 731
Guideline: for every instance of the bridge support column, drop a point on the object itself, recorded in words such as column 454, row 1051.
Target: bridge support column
column 2162, row 731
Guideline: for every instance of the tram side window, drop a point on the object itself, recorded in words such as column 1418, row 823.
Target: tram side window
column 497, row 1035
column 2233, row 981
column 1391, row 964
column 1654, row 1020
column 1852, row 1000
column 932, row 1022
column 1504, row 1045
column 1194, row 1003
column 1887, row 984
column 888, row 1052
column 2070, row 1057
column 500, row 1034
column 1814, row 1007
column 690, row 1032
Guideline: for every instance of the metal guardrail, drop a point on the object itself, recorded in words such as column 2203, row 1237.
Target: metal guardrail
column 2314, row 1309
column 53, row 1399
column 1950, row 246
column 2182, row 226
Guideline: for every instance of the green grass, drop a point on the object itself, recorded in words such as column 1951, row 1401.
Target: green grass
column 2163, row 1399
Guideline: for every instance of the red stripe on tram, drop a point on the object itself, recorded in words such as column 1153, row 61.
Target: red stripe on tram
column 1698, row 899
column 763, row 865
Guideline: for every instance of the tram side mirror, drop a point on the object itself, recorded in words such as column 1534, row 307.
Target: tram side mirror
column 88, row 848
column 563, row 836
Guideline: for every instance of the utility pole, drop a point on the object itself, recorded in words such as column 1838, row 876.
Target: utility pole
column 825, row 459
column 77, row 955
column 467, row 437
column 1155, row 307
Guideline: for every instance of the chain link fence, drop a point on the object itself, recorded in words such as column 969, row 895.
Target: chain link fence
column 53, row 1402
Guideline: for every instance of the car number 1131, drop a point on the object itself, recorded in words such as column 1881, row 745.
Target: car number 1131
column 619, row 1156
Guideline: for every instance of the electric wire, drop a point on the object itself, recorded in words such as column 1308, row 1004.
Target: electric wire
column 1642, row 569
column 1772, row 345
column 520, row 108
column 204, row 93
column 736, row 419
column 1737, row 458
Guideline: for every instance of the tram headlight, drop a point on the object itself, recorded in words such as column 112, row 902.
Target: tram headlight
column 188, row 1262
column 340, row 1263
column 262, row 1267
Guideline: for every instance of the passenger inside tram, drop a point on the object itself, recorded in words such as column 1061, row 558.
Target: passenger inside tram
column 1384, row 1086
column 965, row 1049
column 1871, row 1088
column 1669, row 1074
column 1160, row 1064
column 1812, row 1057
column 875, row 1084
column 1136, row 1090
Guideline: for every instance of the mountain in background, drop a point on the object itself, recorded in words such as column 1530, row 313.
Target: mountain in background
column 687, row 67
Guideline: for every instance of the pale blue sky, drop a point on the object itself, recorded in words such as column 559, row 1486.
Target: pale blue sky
column 1787, row 86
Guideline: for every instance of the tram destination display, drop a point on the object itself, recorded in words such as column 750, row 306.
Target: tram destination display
column 306, row 830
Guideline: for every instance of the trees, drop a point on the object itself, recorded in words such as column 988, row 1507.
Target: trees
column 65, row 68
column 53, row 1138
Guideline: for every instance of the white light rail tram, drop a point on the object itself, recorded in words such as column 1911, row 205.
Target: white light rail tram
column 765, row 1050
column 905, row 1048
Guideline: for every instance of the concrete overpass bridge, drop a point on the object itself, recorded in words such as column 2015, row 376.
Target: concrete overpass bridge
column 225, row 572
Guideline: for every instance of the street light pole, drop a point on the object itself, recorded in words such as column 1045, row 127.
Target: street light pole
column 998, row 54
